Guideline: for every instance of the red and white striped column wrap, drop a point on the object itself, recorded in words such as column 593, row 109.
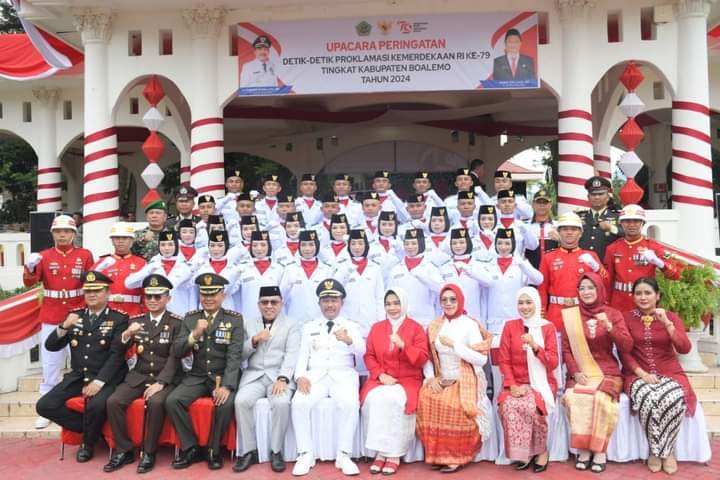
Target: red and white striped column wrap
column 602, row 160
column 100, row 178
column 692, row 192
column 207, row 163
column 575, row 163
column 49, row 189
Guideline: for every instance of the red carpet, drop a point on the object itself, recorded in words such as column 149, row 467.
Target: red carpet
column 31, row 459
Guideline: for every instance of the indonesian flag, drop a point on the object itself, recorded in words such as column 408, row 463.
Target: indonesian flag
column 35, row 54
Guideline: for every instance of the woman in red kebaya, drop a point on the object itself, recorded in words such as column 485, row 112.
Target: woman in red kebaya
column 396, row 351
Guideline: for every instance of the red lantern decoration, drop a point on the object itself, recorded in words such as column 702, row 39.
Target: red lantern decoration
column 631, row 134
column 153, row 91
column 151, row 196
column 153, row 147
column 631, row 76
column 631, row 192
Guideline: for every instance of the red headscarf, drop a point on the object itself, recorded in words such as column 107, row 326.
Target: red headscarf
column 591, row 310
column 460, row 300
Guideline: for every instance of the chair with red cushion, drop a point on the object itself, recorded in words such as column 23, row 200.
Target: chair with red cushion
column 68, row 437
column 201, row 414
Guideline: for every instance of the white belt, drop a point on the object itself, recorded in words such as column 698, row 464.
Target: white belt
column 63, row 293
column 623, row 286
column 120, row 298
column 567, row 301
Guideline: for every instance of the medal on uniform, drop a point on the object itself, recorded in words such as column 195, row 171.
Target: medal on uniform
column 73, row 343
column 102, row 342
column 140, row 348
column 166, row 327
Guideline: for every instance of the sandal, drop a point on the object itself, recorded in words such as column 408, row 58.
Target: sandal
column 449, row 469
column 584, row 465
column 377, row 466
column 598, row 467
column 390, row 468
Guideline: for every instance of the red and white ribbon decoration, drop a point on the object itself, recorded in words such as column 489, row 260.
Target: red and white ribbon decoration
column 631, row 134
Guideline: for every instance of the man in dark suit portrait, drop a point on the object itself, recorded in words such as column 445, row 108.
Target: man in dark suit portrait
column 513, row 65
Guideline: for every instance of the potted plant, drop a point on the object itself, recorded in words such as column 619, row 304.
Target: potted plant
column 695, row 297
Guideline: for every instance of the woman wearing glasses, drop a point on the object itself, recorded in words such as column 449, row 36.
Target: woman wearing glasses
column 453, row 408
column 528, row 355
column 396, row 352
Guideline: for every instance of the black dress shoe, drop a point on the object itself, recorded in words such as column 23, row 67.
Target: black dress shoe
column 84, row 454
column 147, row 462
column 215, row 461
column 119, row 460
column 246, row 461
column 526, row 465
column 541, row 468
column 277, row 463
column 187, row 457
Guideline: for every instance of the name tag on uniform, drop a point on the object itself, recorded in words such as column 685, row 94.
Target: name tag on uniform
column 315, row 334
column 398, row 275
column 247, row 279
column 352, row 280
column 297, row 282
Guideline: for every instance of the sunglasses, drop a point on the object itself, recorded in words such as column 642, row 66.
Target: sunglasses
column 269, row 302
column 154, row 296
column 448, row 300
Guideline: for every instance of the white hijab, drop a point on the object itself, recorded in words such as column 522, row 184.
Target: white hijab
column 536, row 369
column 402, row 296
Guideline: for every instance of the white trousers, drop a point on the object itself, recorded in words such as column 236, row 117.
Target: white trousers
column 344, row 393
column 52, row 362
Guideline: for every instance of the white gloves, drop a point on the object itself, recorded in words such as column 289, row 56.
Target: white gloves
column 652, row 257
column 33, row 261
column 106, row 262
column 588, row 260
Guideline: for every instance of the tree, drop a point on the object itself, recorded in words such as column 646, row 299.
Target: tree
column 9, row 21
column 18, row 179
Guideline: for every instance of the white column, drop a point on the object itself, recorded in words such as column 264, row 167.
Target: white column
column 691, row 141
column 602, row 159
column 184, row 167
column 575, row 131
column 49, row 181
column 100, row 175
column 207, row 174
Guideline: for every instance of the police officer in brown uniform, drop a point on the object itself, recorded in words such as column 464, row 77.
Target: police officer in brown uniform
column 155, row 373
column 97, row 363
column 215, row 338
column 600, row 221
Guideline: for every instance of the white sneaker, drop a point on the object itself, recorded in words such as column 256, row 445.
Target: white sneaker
column 344, row 462
column 41, row 422
column 303, row 464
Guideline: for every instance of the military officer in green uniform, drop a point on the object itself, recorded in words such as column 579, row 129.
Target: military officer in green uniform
column 214, row 336
column 600, row 221
column 146, row 239
column 184, row 203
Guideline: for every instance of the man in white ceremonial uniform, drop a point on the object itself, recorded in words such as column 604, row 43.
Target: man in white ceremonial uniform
column 234, row 184
column 417, row 215
column 271, row 350
column 260, row 72
column 419, row 277
column 503, row 181
column 329, row 350
column 328, row 207
column 389, row 201
column 369, row 219
column 307, row 204
column 466, row 208
column 301, row 278
column 258, row 272
column 342, row 187
column 423, row 186
column 464, row 183
column 266, row 207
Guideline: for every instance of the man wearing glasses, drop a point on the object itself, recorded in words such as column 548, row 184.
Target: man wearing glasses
column 149, row 337
column 214, row 337
column 272, row 343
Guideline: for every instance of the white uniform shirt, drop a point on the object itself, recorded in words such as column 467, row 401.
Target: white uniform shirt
column 422, row 285
column 250, row 282
column 257, row 74
column 298, row 291
column 364, row 303
column 322, row 354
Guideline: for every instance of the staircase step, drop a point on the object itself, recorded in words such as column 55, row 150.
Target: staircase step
column 709, row 359
column 29, row 383
column 710, row 400
column 18, row 404
column 24, row 427
column 708, row 380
